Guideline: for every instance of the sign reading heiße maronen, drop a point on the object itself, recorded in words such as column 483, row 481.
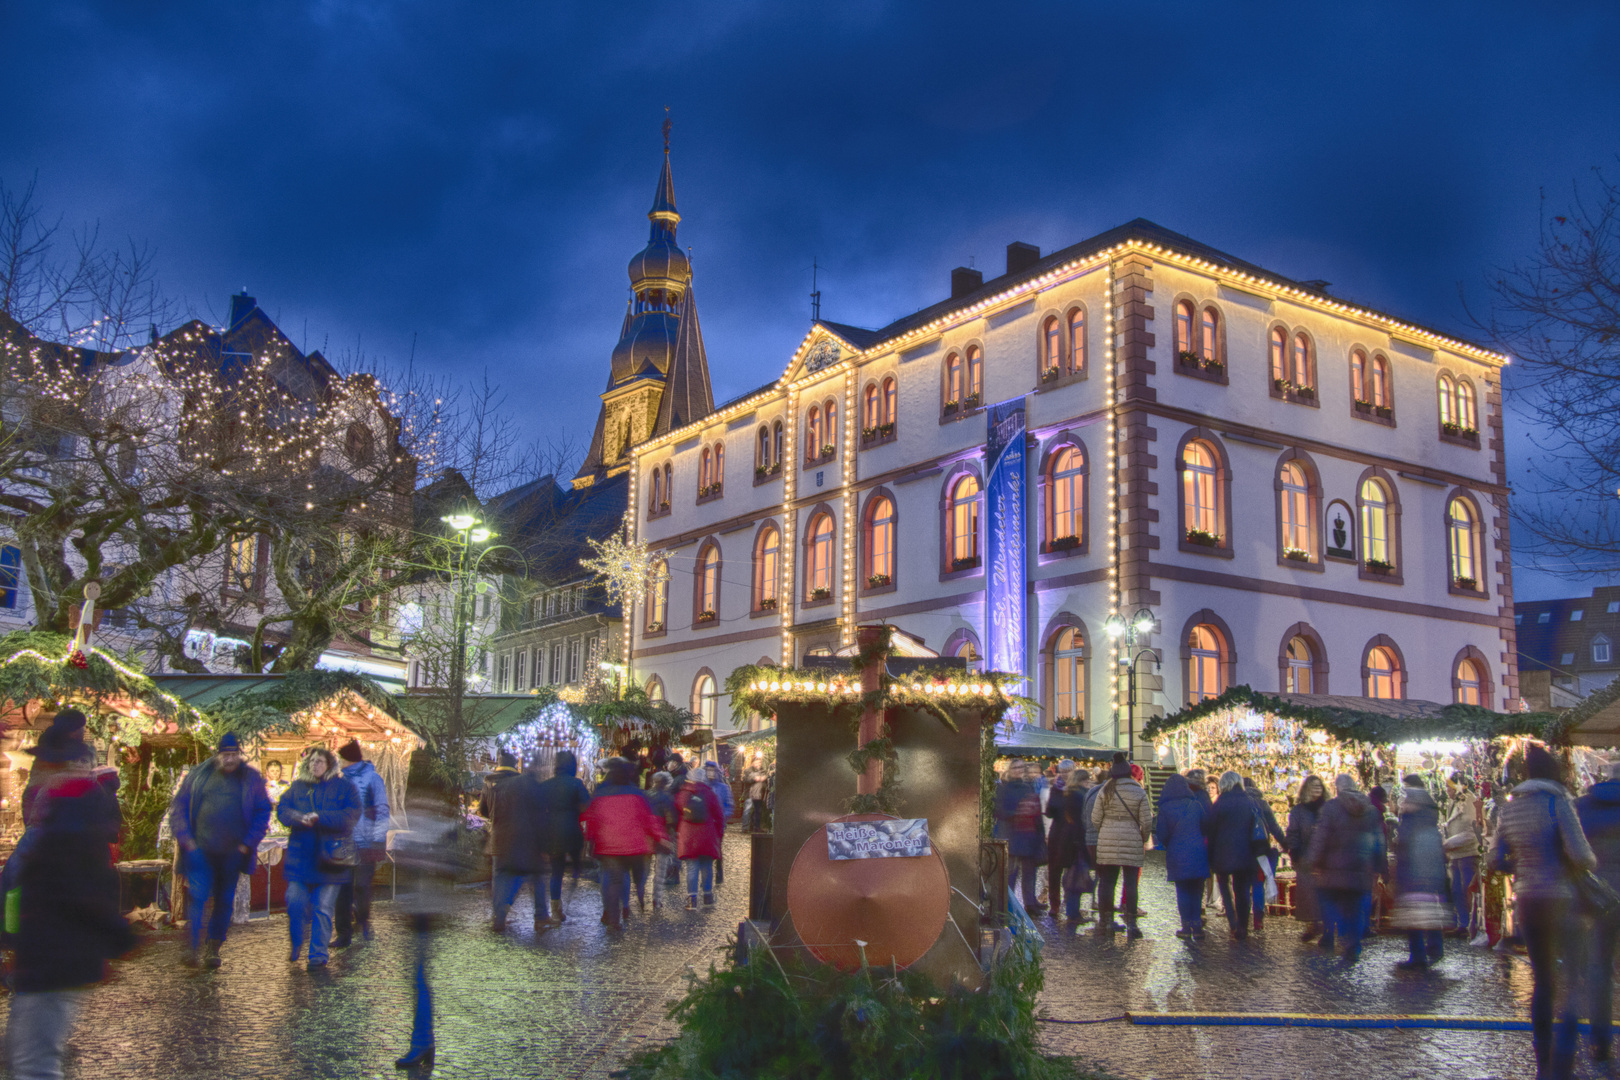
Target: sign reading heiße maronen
column 905, row 838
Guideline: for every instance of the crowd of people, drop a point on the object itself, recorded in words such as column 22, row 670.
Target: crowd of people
column 1357, row 861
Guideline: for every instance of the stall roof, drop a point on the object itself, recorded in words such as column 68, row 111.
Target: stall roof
column 1033, row 742
column 494, row 714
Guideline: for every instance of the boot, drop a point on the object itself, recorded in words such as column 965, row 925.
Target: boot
column 343, row 941
column 365, row 931
column 691, row 902
column 708, row 898
column 211, row 954
column 624, row 913
column 422, row 1058
column 498, row 923
column 189, row 957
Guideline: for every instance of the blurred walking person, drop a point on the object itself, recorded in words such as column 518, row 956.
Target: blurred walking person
column 320, row 809
column 662, row 800
column 1599, row 813
column 754, row 809
column 1539, row 841
column 1180, row 830
column 563, row 799
column 722, row 791
column 69, row 922
column 1346, row 854
column 1018, row 811
column 697, row 838
column 517, row 821
column 1422, row 908
column 218, row 817
column 1058, row 848
column 623, row 831
column 1124, row 820
column 1463, row 839
column 1078, row 875
column 1273, row 831
column 1297, row 840
column 427, row 857
column 370, row 845
column 1235, row 831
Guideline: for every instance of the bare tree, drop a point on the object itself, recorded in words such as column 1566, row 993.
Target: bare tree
column 1558, row 314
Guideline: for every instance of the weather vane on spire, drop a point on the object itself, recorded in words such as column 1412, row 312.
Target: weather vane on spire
column 667, row 125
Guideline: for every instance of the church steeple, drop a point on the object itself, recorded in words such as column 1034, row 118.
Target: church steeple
column 659, row 377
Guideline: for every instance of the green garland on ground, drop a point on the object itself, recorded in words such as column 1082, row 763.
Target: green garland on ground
column 767, row 1021
column 1368, row 726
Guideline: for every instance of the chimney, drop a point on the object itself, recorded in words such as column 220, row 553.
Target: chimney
column 242, row 306
column 965, row 280
column 1021, row 256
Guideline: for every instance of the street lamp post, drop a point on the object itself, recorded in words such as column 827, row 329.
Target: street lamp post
column 467, row 530
column 1140, row 625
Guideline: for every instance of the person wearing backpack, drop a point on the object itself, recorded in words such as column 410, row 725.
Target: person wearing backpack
column 1124, row 819
column 1232, row 829
column 1018, row 807
column 697, row 837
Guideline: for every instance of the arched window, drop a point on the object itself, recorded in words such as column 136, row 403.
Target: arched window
column 1294, row 510
column 708, row 584
column 975, row 374
column 1300, row 666
column 812, row 433
column 1448, row 400
column 1200, row 490
column 1051, row 348
column 655, row 689
column 1279, row 353
column 1302, row 361
column 891, row 400
column 669, row 485
column 705, row 700
column 879, row 546
column 1375, row 538
column 1466, row 418
column 658, row 598
column 872, row 412
column 1077, row 341
column 954, row 379
column 829, row 427
column 718, row 477
column 1381, row 397
column 655, row 493
column 1470, row 683
column 1205, row 660
column 1184, row 327
column 964, row 645
column 1600, row 650
column 963, row 523
column 762, row 452
column 1383, row 673
column 1360, row 391
column 1209, row 341
column 767, row 568
column 1068, row 677
column 776, row 445
column 1066, row 487
column 705, row 471
column 1462, row 530
column 818, row 558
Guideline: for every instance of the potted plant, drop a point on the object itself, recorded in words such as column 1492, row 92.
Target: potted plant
column 878, row 581
column 885, row 430
column 1449, row 428
column 972, row 401
column 821, row 592
column 970, row 562
column 1385, row 412
column 655, row 627
column 828, row 451
column 761, row 472
column 951, row 407
column 1362, row 406
column 1463, row 582
column 1203, row 538
column 1306, row 393
column 1188, row 358
column 707, row 616
column 869, row 434
column 1214, row 366
column 1296, row 554
column 1282, row 386
column 663, row 507
column 1064, row 543
column 1379, row 566
column 768, row 604
column 1050, row 375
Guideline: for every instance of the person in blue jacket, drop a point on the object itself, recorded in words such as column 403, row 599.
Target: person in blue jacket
column 320, row 808
column 1180, row 830
column 370, row 844
column 219, row 815
column 715, row 777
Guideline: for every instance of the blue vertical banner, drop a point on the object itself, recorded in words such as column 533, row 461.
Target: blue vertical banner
column 1004, row 590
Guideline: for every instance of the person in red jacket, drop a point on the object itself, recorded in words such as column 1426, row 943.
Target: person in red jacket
column 698, row 836
column 623, row 830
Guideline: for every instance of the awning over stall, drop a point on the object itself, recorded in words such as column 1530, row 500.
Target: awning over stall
column 1035, row 742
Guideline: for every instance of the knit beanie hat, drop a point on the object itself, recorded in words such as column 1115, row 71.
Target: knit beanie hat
column 1541, row 765
column 228, row 742
column 1119, row 770
column 350, row 751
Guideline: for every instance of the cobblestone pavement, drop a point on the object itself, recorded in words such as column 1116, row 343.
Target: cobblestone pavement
column 574, row 1001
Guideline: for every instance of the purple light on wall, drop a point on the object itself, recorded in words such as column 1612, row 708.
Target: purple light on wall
column 1004, row 586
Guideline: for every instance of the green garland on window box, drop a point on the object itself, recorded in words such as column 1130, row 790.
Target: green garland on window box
column 1379, row 566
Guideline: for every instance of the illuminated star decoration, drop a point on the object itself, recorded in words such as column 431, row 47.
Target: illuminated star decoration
column 624, row 567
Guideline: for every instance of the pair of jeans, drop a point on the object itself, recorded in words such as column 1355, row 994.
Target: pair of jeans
column 1190, row 903
column 1344, row 915
column 699, row 870
column 507, row 886
column 1071, row 890
column 1600, row 984
column 422, row 1022
column 616, row 872
column 1237, row 891
column 37, row 1033
column 1107, row 876
column 1463, row 871
column 309, row 910
column 213, row 877
column 1544, row 923
column 1023, row 870
column 558, row 861
column 354, row 899
column 1425, row 946
column 666, row 867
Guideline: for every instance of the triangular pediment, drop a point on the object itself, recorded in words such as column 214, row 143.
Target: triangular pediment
column 823, row 347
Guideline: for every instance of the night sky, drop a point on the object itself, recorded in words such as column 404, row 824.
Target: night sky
column 474, row 176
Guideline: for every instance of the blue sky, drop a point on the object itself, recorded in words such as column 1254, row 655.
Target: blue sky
column 472, row 177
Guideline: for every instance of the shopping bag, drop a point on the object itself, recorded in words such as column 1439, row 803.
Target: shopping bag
column 1271, row 879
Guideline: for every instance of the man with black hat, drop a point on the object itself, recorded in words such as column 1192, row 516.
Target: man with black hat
column 219, row 816
column 370, row 845
column 69, row 924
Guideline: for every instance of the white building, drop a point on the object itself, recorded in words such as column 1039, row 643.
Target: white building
column 1303, row 493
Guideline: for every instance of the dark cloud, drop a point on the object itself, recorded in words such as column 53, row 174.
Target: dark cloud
column 473, row 176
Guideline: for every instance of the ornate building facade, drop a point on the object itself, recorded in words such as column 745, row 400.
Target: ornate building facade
column 1259, row 482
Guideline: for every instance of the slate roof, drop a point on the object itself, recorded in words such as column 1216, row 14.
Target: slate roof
column 552, row 524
